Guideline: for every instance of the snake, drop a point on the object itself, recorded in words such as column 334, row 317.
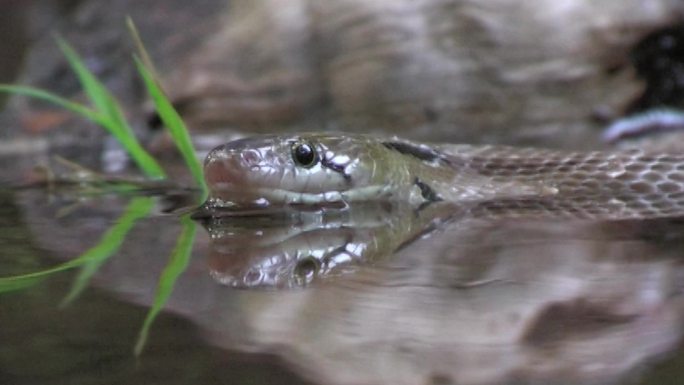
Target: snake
column 328, row 169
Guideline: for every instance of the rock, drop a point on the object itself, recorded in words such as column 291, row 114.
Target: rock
column 532, row 72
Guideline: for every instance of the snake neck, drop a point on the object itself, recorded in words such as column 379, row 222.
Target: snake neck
column 442, row 176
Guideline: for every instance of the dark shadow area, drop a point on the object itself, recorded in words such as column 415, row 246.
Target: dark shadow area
column 659, row 60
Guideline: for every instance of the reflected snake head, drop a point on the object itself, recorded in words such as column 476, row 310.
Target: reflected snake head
column 264, row 259
column 285, row 251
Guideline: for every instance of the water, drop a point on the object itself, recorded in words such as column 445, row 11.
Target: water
column 376, row 294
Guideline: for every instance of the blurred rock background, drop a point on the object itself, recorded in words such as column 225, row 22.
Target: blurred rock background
column 535, row 72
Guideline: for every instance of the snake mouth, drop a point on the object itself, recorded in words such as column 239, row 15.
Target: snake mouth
column 229, row 196
column 229, row 176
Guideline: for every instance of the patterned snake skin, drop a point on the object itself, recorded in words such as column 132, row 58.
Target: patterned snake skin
column 627, row 184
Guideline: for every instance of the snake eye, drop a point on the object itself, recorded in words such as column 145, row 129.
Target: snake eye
column 304, row 155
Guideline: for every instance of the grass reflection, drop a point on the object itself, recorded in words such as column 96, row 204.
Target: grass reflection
column 92, row 258
column 178, row 262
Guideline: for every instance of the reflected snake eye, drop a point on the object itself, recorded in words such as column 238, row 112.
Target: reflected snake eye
column 304, row 155
column 306, row 270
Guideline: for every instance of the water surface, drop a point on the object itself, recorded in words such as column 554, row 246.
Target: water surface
column 377, row 295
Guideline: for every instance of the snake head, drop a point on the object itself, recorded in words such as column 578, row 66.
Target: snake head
column 299, row 169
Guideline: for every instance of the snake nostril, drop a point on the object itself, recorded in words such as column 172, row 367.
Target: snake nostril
column 251, row 157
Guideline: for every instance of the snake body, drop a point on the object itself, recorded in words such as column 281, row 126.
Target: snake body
column 332, row 169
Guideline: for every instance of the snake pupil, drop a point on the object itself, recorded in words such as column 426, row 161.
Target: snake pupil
column 304, row 155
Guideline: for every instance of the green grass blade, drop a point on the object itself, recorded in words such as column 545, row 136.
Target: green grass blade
column 96, row 91
column 114, row 120
column 178, row 262
column 49, row 97
column 20, row 283
column 175, row 125
column 108, row 245
column 145, row 161
column 140, row 47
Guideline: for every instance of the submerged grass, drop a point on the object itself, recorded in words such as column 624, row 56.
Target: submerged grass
column 106, row 112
